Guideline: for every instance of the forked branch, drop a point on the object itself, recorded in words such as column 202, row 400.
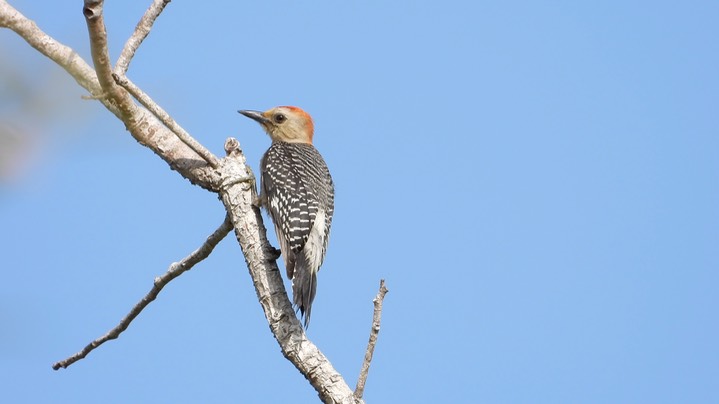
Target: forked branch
column 230, row 177
column 166, row 119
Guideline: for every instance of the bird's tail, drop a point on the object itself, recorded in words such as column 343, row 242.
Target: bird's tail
column 304, row 287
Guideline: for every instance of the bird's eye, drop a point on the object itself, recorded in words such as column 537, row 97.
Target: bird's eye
column 279, row 118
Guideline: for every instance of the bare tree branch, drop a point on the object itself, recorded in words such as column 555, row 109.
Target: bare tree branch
column 144, row 127
column 176, row 269
column 166, row 119
column 231, row 179
column 141, row 31
column 237, row 194
column 101, row 58
column 376, row 319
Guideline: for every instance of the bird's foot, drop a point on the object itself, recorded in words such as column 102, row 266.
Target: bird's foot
column 273, row 253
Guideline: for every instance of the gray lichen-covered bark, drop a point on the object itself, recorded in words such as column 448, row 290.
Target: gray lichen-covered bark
column 238, row 194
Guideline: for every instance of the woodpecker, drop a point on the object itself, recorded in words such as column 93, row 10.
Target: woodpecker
column 297, row 191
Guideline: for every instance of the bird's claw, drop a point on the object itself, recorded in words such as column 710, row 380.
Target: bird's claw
column 273, row 253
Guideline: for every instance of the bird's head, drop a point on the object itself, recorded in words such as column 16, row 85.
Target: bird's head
column 285, row 124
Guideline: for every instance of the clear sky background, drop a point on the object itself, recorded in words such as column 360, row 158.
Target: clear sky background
column 537, row 182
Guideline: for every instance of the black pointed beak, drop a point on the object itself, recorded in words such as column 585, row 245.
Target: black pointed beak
column 256, row 115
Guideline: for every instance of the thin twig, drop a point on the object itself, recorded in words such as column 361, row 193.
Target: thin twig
column 141, row 31
column 165, row 118
column 376, row 318
column 176, row 269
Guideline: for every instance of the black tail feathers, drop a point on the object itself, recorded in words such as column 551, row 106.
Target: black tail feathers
column 304, row 288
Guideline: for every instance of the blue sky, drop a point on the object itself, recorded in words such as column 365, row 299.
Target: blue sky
column 538, row 183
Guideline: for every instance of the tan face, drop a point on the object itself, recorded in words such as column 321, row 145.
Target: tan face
column 285, row 124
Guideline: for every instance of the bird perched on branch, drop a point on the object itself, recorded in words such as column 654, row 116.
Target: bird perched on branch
column 297, row 191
